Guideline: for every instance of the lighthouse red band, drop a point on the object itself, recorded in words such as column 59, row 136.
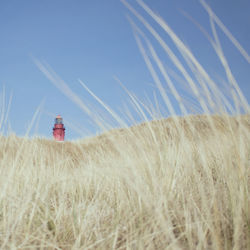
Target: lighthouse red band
column 59, row 130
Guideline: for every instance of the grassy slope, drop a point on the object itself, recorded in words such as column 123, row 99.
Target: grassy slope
column 154, row 185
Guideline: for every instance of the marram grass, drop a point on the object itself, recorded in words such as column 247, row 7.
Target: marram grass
column 136, row 188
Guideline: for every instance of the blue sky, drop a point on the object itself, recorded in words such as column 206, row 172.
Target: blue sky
column 92, row 40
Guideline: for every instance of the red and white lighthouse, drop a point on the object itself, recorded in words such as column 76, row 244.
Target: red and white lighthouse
column 59, row 130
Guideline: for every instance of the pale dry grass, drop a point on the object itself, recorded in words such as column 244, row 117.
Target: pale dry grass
column 138, row 188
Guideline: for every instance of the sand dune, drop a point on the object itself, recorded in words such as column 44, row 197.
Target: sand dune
column 182, row 183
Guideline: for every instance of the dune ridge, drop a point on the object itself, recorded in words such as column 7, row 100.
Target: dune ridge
column 153, row 185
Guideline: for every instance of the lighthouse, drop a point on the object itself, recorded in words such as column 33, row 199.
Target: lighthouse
column 59, row 130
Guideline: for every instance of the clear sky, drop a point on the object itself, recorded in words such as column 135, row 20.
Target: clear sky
column 92, row 40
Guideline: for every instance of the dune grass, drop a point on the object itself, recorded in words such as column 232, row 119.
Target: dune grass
column 175, row 183
column 160, row 190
